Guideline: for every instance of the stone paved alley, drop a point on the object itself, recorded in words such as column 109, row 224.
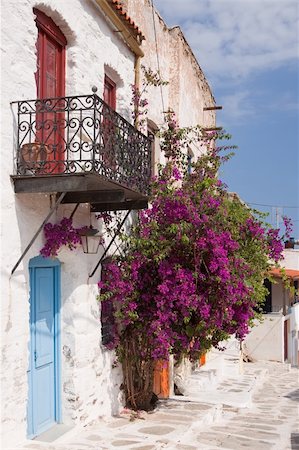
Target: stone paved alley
column 268, row 421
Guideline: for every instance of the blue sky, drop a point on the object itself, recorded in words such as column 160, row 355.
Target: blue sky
column 249, row 52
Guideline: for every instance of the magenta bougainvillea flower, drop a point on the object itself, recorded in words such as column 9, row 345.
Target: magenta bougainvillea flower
column 59, row 235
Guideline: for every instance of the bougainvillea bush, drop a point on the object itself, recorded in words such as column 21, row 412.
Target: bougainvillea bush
column 193, row 270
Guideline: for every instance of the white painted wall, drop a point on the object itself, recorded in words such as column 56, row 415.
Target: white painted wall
column 265, row 340
column 294, row 335
column 295, row 317
column 279, row 294
column 291, row 259
column 90, row 387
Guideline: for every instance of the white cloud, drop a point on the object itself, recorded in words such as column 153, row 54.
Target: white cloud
column 239, row 104
column 233, row 39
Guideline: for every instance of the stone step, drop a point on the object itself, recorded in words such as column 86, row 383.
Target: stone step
column 234, row 397
column 202, row 413
column 235, row 391
column 202, row 380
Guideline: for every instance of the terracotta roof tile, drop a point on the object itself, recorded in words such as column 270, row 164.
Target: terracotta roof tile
column 290, row 273
column 126, row 19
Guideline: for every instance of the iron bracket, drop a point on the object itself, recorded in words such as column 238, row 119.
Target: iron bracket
column 110, row 243
column 54, row 207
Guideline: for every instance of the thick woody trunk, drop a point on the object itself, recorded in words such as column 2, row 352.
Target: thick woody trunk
column 138, row 373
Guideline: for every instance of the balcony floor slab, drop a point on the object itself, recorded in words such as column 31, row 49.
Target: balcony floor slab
column 83, row 188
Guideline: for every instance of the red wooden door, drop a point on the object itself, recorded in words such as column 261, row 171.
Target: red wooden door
column 50, row 81
column 202, row 359
column 161, row 379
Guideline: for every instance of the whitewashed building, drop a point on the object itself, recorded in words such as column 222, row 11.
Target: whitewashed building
column 276, row 338
column 67, row 153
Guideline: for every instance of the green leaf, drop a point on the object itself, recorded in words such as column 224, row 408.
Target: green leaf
column 189, row 331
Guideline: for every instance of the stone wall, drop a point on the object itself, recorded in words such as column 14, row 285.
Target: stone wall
column 188, row 91
column 90, row 387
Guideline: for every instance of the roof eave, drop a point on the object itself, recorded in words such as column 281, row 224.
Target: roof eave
column 121, row 27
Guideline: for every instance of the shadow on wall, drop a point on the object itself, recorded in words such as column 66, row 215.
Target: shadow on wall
column 82, row 334
column 294, row 441
column 104, row 36
column 30, row 211
column 28, row 214
column 294, row 395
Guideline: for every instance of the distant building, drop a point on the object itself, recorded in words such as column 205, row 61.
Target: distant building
column 277, row 337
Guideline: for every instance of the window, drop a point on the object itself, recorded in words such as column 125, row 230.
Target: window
column 151, row 133
column 296, row 286
column 267, row 306
column 189, row 160
column 110, row 92
column 152, row 138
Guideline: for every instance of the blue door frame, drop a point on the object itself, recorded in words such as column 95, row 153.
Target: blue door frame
column 44, row 406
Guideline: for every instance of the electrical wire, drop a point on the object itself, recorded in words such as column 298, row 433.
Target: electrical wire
column 273, row 206
column 157, row 53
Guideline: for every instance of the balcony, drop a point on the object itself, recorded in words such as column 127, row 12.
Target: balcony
column 80, row 146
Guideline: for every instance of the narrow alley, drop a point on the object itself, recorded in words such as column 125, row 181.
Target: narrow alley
column 259, row 411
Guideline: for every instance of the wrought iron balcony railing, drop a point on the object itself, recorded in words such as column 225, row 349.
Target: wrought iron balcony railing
column 70, row 135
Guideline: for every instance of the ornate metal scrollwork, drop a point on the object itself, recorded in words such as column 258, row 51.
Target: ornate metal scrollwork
column 68, row 135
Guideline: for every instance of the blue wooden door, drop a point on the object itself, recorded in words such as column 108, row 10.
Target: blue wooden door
column 43, row 404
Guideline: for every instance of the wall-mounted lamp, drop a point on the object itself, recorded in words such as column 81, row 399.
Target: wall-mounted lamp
column 90, row 240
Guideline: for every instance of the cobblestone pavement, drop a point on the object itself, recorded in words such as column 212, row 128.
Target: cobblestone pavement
column 271, row 422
